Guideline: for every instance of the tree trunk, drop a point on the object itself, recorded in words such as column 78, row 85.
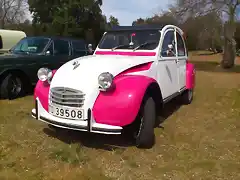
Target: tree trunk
column 229, row 54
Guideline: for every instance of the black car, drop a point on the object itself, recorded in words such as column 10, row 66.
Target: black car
column 18, row 68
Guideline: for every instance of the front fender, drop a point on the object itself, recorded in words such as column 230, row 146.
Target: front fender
column 120, row 106
column 41, row 91
column 7, row 70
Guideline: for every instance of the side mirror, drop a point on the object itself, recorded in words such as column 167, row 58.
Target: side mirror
column 90, row 49
column 48, row 53
column 170, row 51
column 170, row 47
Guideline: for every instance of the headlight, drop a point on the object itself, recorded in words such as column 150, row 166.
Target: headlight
column 105, row 81
column 44, row 74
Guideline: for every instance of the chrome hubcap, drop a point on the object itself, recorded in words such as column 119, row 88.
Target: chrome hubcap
column 16, row 86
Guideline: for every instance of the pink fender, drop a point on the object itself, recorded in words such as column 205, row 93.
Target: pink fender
column 42, row 91
column 190, row 77
column 120, row 106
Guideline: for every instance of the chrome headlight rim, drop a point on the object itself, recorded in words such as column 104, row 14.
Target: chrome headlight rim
column 45, row 74
column 105, row 81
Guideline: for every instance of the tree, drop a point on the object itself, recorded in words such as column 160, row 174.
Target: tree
column 237, row 35
column 12, row 11
column 138, row 21
column 209, row 32
column 225, row 8
column 68, row 17
column 202, row 32
column 113, row 21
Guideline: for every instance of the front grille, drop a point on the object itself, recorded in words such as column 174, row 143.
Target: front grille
column 66, row 97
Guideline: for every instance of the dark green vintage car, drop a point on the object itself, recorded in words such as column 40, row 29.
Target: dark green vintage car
column 18, row 68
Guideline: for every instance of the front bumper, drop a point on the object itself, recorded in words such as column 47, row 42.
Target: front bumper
column 88, row 125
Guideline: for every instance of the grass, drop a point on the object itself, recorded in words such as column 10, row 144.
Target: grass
column 198, row 141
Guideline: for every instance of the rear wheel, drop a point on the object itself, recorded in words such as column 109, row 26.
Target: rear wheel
column 187, row 96
column 11, row 87
column 145, row 137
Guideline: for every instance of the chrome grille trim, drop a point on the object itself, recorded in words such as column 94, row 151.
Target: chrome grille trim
column 66, row 97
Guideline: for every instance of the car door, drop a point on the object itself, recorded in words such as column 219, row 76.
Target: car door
column 167, row 66
column 181, row 61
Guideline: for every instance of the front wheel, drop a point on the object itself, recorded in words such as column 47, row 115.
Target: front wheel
column 145, row 137
column 11, row 87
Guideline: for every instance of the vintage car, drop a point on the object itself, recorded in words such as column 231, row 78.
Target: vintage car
column 19, row 67
column 133, row 72
column 9, row 38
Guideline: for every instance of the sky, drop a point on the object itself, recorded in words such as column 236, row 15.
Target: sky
column 129, row 10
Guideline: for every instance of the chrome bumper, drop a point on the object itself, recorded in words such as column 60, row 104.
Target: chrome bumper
column 88, row 125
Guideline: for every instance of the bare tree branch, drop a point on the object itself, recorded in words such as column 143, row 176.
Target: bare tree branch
column 12, row 11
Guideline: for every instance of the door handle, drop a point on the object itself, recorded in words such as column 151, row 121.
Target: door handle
column 176, row 61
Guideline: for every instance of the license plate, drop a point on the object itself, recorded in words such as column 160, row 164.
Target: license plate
column 67, row 113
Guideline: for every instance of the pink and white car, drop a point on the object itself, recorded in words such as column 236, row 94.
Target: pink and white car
column 133, row 72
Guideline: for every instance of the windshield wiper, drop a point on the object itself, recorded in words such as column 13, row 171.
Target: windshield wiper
column 143, row 44
column 120, row 46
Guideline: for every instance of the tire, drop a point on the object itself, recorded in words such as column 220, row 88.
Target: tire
column 145, row 137
column 11, row 87
column 187, row 97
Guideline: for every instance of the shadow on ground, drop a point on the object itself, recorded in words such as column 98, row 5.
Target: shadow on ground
column 105, row 142
column 210, row 66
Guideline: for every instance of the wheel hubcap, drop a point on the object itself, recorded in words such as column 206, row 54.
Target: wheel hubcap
column 16, row 86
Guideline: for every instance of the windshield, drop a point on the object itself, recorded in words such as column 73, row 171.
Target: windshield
column 136, row 40
column 31, row 45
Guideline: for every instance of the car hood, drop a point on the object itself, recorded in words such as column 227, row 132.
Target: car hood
column 85, row 76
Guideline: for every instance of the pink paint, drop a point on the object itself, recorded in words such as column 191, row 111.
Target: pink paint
column 124, row 53
column 42, row 91
column 190, row 77
column 120, row 106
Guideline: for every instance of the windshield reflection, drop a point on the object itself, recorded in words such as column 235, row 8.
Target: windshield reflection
column 30, row 45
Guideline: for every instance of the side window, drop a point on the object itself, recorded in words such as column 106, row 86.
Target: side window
column 180, row 45
column 50, row 48
column 168, row 40
column 1, row 42
column 78, row 47
column 61, row 47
